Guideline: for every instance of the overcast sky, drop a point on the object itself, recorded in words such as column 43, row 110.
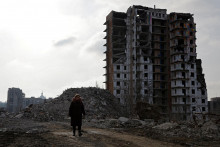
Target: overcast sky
column 52, row 45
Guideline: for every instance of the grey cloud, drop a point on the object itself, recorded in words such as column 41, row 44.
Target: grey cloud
column 64, row 42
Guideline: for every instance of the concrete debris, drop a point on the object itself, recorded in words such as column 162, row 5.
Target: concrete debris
column 166, row 126
column 147, row 111
column 19, row 115
column 123, row 119
column 210, row 127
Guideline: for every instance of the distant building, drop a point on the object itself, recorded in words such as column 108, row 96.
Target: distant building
column 3, row 104
column 32, row 100
column 214, row 105
column 42, row 96
column 15, row 100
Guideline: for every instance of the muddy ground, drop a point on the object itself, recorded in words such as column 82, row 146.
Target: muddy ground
column 21, row 132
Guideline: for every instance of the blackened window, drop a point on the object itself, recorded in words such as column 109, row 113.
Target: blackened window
column 118, row 83
column 183, row 82
column 145, row 67
column 145, row 83
column 193, row 108
column 193, row 91
column 181, row 24
column 192, row 66
column 191, row 33
column 192, row 74
column 182, row 65
column 184, row 99
column 182, row 57
column 203, row 100
column 125, row 76
column 145, row 91
column 193, row 100
column 118, row 75
column 192, row 82
column 191, row 49
column 191, row 41
column 203, row 92
column 125, row 68
column 118, row 67
column 203, row 108
column 183, row 74
column 145, row 74
column 184, row 91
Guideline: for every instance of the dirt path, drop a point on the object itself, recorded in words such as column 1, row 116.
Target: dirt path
column 94, row 137
column 28, row 133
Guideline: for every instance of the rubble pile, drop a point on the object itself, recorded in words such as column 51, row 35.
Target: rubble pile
column 179, row 131
column 98, row 103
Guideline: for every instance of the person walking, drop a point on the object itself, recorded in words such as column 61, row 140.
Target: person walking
column 76, row 111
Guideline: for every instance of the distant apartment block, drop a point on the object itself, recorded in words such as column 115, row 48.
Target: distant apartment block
column 214, row 105
column 151, row 56
column 14, row 100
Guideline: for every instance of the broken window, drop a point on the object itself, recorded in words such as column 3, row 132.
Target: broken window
column 118, row 67
column 193, row 108
column 125, row 76
column 184, row 91
column 192, row 66
column 181, row 25
column 203, row 108
column 203, row 92
column 180, row 41
column 184, row 99
column 145, row 83
column 182, row 65
column 203, row 100
column 183, row 74
column 145, row 75
column 192, row 74
column 193, row 91
column 125, row 68
column 191, row 41
column 118, row 91
column 192, row 82
column 191, row 49
column 145, row 66
column 118, row 83
column 118, row 75
column 183, row 82
column 193, row 100
column 145, row 91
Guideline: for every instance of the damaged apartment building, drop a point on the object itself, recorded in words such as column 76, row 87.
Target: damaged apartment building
column 151, row 57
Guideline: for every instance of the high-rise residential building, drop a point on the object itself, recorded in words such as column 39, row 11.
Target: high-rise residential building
column 151, row 57
column 15, row 100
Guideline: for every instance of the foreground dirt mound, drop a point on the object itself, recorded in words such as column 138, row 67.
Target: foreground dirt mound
column 99, row 103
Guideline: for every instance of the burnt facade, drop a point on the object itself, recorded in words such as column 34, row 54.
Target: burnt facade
column 151, row 57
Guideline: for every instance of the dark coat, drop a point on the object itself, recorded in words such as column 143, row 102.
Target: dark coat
column 75, row 112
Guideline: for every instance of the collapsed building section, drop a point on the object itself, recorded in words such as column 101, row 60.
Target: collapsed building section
column 151, row 57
